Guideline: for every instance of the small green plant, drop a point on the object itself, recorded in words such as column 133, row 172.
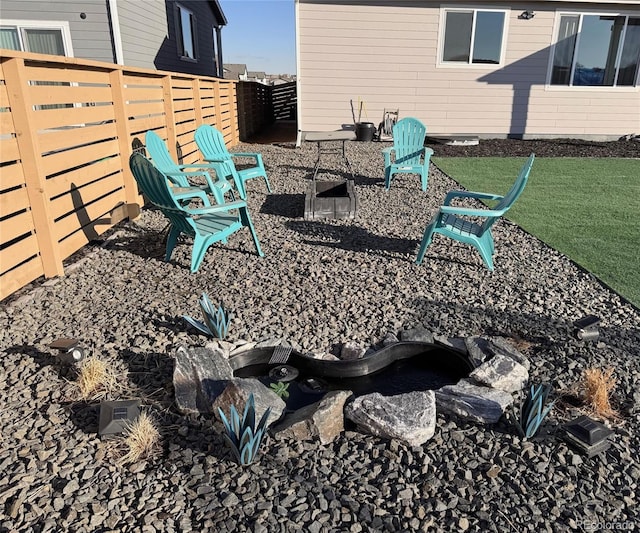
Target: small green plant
column 281, row 389
column 216, row 321
column 242, row 435
column 534, row 410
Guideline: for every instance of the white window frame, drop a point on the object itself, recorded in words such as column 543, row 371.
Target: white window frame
column 180, row 35
column 552, row 52
column 444, row 9
column 61, row 25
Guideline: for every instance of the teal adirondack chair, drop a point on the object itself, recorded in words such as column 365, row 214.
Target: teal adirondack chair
column 206, row 225
column 409, row 152
column 448, row 221
column 211, row 144
column 178, row 174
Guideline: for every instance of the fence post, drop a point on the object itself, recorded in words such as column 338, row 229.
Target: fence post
column 216, row 103
column 116, row 78
column 197, row 101
column 35, row 179
column 170, row 123
column 233, row 113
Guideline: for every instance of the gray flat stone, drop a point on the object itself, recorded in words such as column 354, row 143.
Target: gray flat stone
column 410, row 418
column 237, row 392
column 501, row 372
column 473, row 402
column 323, row 420
column 416, row 335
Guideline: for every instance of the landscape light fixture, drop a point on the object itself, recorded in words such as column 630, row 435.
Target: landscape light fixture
column 70, row 352
column 115, row 415
column 527, row 15
column 586, row 329
column 587, row 436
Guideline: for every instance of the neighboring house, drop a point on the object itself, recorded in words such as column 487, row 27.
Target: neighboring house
column 175, row 35
column 524, row 69
column 235, row 71
column 259, row 77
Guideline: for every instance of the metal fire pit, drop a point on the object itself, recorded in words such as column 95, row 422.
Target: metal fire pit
column 330, row 199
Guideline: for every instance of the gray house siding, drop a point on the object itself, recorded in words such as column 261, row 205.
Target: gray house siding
column 90, row 37
column 143, row 29
column 147, row 30
column 148, row 33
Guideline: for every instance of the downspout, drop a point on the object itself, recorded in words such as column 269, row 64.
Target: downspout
column 114, row 20
column 298, row 92
column 220, row 66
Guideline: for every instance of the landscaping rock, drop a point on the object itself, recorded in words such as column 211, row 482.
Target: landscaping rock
column 501, row 372
column 237, row 393
column 410, row 418
column 323, row 420
column 473, row 402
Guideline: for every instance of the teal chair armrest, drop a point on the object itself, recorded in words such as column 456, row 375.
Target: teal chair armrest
column 221, row 208
column 186, row 193
column 195, row 165
column 463, row 211
column 469, row 194
column 218, row 159
column 386, row 153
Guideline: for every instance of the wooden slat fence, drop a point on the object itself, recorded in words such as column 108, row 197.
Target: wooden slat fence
column 67, row 129
column 284, row 99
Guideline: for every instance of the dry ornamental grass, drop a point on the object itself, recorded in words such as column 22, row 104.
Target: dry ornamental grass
column 598, row 384
column 141, row 439
column 96, row 378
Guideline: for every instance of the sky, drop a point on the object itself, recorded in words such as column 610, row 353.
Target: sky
column 261, row 34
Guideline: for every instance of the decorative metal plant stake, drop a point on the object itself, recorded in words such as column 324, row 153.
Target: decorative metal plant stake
column 533, row 410
column 216, row 321
column 243, row 436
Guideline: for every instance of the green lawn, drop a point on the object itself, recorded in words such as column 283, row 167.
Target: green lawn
column 588, row 209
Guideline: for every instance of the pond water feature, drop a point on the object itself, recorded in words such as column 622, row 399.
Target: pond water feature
column 396, row 369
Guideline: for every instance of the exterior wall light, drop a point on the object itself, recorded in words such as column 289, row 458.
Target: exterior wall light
column 527, row 15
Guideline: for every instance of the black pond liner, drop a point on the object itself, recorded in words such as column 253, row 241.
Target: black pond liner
column 396, row 369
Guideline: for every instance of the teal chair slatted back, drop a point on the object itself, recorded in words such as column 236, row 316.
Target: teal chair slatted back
column 159, row 153
column 408, row 154
column 409, row 135
column 452, row 221
column 210, row 142
column 508, row 199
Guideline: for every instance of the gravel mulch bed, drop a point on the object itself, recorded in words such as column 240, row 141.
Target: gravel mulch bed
column 321, row 283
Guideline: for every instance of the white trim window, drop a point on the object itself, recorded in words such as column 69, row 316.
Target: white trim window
column 472, row 36
column 187, row 33
column 39, row 37
column 596, row 50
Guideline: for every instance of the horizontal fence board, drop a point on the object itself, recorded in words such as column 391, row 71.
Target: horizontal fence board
column 181, row 105
column 13, row 201
column 38, row 72
column 82, row 176
column 72, row 116
column 11, row 175
column 9, row 149
column 15, row 226
column 54, row 163
column 89, row 218
column 7, row 126
column 4, row 97
column 57, row 94
column 20, row 276
column 59, row 139
column 78, row 199
column 139, row 109
column 19, row 251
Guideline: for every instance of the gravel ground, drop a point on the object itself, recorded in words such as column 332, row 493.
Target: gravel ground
column 321, row 283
